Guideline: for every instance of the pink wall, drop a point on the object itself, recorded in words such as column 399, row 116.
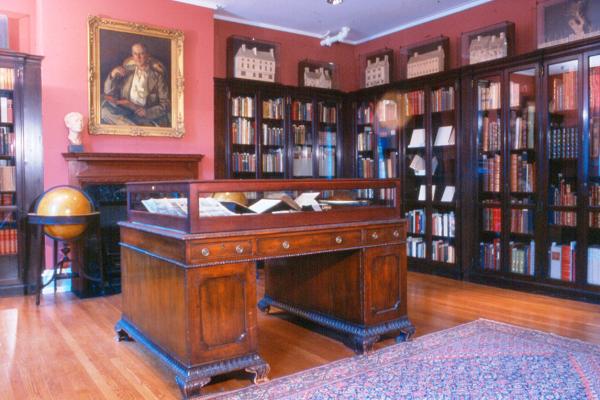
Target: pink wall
column 22, row 31
column 521, row 12
column 293, row 48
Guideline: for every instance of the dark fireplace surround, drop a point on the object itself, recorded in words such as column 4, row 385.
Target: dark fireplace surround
column 103, row 176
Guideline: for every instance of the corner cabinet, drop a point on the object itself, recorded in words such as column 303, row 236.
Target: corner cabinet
column 21, row 168
column 409, row 130
column 271, row 131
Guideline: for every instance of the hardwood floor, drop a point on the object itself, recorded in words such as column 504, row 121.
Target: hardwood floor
column 65, row 349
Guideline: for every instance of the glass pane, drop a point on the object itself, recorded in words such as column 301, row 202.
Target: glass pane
column 387, row 138
column 489, row 135
column 327, row 142
column 522, row 174
column 365, row 120
column 302, row 117
column 243, row 136
column 593, row 252
column 273, row 138
column 563, row 150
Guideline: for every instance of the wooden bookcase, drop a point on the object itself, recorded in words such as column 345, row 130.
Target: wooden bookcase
column 409, row 130
column 271, row 131
column 21, row 166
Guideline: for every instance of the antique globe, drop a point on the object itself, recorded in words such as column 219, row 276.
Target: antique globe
column 64, row 201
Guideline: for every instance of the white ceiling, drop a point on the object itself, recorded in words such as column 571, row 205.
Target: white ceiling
column 367, row 19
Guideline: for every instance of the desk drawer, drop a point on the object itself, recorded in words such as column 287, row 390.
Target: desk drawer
column 290, row 244
column 201, row 252
column 392, row 233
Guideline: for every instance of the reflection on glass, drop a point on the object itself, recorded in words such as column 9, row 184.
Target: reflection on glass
column 327, row 140
column 593, row 252
column 302, row 117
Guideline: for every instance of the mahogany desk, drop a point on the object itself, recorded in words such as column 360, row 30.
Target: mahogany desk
column 190, row 298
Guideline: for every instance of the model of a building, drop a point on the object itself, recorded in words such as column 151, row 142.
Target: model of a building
column 485, row 48
column 426, row 63
column 320, row 78
column 377, row 72
column 254, row 64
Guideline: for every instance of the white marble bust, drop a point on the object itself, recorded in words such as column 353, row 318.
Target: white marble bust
column 74, row 122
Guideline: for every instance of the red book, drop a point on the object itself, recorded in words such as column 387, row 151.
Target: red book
column 565, row 263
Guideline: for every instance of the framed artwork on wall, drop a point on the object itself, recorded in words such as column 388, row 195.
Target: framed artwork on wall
column 424, row 58
column 562, row 21
column 135, row 79
column 248, row 58
column 317, row 74
column 378, row 67
column 488, row 43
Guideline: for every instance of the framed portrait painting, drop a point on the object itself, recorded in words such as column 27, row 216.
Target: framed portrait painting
column 135, row 79
column 562, row 21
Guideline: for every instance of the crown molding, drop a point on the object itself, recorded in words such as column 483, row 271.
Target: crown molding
column 213, row 5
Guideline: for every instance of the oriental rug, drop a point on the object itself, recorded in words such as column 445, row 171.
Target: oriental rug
column 478, row 360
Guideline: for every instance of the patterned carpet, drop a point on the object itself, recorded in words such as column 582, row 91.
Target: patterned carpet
column 479, row 360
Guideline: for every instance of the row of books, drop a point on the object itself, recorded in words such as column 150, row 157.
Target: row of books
column 387, row 110
column 273, row 161
column 414, row 103
column 594, row 194
column 522, row 221
column 364, row 140
column 522, row 258
column 388, row 166
column 563, row 218
column 490, row 96
column 443, row 224
column 595, row 137
column 299, row 132
column 491, row 134
column 563, row 141
column 563, row 90
column 515, row 94
column 415, row 247
column 522, row 129
column 595, row 90
column 6, row 110
column 326, row 162
column 443, row 251
column 365, row 114
column 593, row 266
column 7, row 199
column 8, row 178
column 416, row 221
column 563, row 194
column 491, row 220
column 302, row 163
column 273, row 108
column 8, row 241
column 243, row 162
column 594, row 219
column 492, row 168
column 272, row 136
column 562, row 261
column 327, row 138
column 442, row 99
column 522, row 173
column 489, row 255
column 327, row 114
column 7, row 79
column 242, row 107
column 301, row 111
column 242, row 131
column 365, row 167
column 7, row 141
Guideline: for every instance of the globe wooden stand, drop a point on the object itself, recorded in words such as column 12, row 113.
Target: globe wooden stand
column 59, row 264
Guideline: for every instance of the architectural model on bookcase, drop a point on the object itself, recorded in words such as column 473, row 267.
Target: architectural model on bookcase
column 262, row 120
column 424, row 58
column 20, row 182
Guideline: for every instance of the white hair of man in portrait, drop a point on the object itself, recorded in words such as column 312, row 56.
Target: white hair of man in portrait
column 74, row 122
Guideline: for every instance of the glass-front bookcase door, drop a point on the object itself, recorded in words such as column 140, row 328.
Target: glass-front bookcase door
column 490, row 151
column 593, row 237
column 386, row 136
column 301, row 120
column 562, row 174
column 522, row 144
column 327, row 112
column 272, row 137
column 365, row 139
column 242, row 109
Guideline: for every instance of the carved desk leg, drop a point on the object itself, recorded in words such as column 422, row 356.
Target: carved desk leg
column 260, row 372
column 364, row 344
column 405, row 334
column 191, row 386
column 264, row 306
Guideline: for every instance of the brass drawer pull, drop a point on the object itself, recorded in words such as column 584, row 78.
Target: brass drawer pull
column 285, row 244
column 374, row 235
column 239, row 249
column 205, row 252
column 396, row 233
column 339, row 240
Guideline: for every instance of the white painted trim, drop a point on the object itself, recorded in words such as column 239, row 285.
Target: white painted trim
column 422, row 20
column 213, row 5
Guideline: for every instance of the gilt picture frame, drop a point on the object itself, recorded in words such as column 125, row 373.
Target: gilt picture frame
column 135, row 79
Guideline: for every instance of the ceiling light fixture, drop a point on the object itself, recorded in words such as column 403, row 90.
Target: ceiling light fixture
column 335, row 2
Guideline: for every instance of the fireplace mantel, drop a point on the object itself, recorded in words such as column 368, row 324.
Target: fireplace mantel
column 118, row 168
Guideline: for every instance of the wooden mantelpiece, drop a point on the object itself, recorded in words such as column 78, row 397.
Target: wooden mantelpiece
column 95, row 168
